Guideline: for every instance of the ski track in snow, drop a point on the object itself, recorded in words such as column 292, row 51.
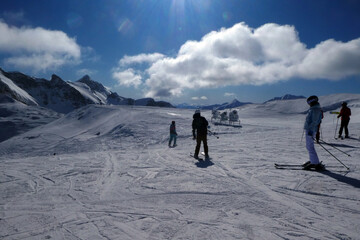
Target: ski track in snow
column 105, row 172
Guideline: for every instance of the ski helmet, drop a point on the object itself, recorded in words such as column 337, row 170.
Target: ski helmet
column 344, row 104
column 312, row 99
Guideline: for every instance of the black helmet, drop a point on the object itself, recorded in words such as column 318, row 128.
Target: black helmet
column 312, row 99
column 344, row 104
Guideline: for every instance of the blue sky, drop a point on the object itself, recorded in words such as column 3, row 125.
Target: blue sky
column 194, row 51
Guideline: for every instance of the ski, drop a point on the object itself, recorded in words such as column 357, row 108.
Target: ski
column 297, row 167
column 288, row 165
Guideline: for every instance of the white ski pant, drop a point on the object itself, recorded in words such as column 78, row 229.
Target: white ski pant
column 314, row 159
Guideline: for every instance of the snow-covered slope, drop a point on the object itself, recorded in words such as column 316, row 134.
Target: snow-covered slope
column 328, row 103
column 9, row 88
column 151, row 102
column 234, row 104
column 85, row 90
column 17, row 118
column 106, row 172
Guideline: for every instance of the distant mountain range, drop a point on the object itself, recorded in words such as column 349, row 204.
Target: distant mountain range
column 235, row 103
column 285, row 97
column 63, row 96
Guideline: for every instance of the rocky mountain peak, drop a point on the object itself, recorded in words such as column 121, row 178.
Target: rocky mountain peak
column 55, row 79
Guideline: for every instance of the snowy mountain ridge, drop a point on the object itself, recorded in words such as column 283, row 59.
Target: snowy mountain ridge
column 14, row 92
column 285, row 97
column 62, row 96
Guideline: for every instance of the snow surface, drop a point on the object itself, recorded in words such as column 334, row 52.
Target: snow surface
column 17, row 118
column 106, row 172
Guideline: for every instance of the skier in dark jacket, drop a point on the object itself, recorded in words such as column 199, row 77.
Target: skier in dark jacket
column 173, row 134
column 345, row 114
column 199, row 125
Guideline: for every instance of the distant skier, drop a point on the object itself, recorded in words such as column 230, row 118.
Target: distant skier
column 200, row 125
column 173, row 134
column 312, row 122
column 345, row 114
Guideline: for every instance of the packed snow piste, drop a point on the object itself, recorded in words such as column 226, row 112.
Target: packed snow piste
column 223, row 118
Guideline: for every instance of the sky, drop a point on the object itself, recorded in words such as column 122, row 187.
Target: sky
column 188, row 51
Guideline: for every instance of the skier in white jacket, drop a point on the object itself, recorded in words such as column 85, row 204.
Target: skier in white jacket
column 311, row 125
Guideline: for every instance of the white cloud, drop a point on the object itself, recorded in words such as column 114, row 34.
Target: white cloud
column 229, row 94
column 199, row 98
column 37, row 47
column 241, row 55
column 127, row 78
column 331, row 60
column 141, row 58
column 37, row 61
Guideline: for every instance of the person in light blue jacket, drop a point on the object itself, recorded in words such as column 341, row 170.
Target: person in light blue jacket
column 313, row 119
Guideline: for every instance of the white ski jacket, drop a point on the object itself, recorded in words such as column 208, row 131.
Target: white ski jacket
column 313, row 119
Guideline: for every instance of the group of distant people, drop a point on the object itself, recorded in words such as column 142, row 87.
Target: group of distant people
column 311, row 127
column 199, row 130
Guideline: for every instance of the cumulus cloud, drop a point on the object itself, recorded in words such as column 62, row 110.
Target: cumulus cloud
column 331, row 60
column 127, row 78
column 227, row 94
column 38, row 48
column 199, row 98
column 241, row 55
column 141, row 58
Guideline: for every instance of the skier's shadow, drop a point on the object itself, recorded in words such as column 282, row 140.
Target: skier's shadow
column 204, row 164
column 348, row 180
column 341, row 145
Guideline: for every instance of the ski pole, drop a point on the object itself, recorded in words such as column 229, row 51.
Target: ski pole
column 336, row 127
column 334, row 156
column 213, row 134
column 302, row 136
column 335, row 147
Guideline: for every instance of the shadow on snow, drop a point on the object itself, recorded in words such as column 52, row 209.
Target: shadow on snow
column 348, row 180
column 204, row 164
